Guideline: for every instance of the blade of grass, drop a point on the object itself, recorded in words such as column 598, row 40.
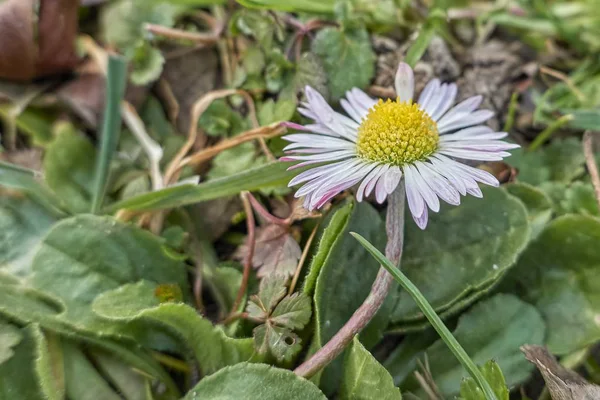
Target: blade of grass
column 433, row 318
column 546, row 133
column 111, row 125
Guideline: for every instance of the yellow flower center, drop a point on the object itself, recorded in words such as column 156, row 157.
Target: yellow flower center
column 397, row 133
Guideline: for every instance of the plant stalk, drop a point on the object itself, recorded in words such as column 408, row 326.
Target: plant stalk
column 379, row 291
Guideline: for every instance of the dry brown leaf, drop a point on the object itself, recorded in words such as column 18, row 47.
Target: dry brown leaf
column 562, row 383
column 275, row 251
column 37, row 38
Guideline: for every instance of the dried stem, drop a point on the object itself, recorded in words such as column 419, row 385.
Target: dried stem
column 264, row 132
column 262, row 211
column 251, row 226
column 303, row 259
column 178, row 34
column 379, row 291
column 588, row 150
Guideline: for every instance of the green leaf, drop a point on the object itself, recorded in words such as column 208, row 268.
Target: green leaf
column 271, row 290
column 584, row 119
column 116, row 80
column 562, row 160
column 558, row 273
column 271, row 111
column 49, row 364
column 492, row 329
column 469, row 390
column 129, row 382
column 84, row 256
column 233, row 161
column 539, row 205
column 17, row 377
column 309, row 6
column 576, row 198
column 69, row 168
column 463, row 250
column 293, row 311
column 364, row 378
column 309, row 71
column 147, row 63
column 35, row 123
column 345, row 275
column 22, row 179
column 10, row 336
column 22, row 226
column 270, row 175
column 82, row 380
column 350, row 49
column 280, row 342
column 212, row 348
column 254, row 381
column 220, row 120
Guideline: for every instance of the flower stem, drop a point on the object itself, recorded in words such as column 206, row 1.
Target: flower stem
column 379, row 291
column 431, row 315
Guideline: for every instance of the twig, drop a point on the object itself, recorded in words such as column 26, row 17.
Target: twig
column 264, row 132
column 379, row 291
column 166, row 93
column 178, row 34
column 303, row 259
column 262, row 211
column 588, row 150
column 248, row 261
column 150, row 147
column 234, row 317
column 550, row 129
column 564, row 78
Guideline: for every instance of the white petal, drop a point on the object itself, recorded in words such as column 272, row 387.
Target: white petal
column 445, row 103
column 371, row 185
column 361, row 188
column 428, row 93
column 421, row 221
column 464, row 120
column 438, row 183
column 392, row 179
column 436, row 99
column 474, row 155
column 404, row 82
column 416, row 204
column 351, row 111
column 428, row 195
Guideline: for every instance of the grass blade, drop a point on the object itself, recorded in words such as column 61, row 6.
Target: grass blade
column 111, row 125
column 433, row 318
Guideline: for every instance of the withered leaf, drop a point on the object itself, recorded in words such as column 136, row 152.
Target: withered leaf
column 37, row 37
column 275, row 252
column 562, row 383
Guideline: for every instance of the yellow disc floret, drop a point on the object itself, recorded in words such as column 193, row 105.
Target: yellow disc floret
column 397, row 133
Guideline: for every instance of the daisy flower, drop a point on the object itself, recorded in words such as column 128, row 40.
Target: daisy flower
column 382, row 141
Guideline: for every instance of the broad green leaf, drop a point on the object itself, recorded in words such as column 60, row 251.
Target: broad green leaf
column 575, row 198
column 35, row 123
column 293, row 312
column 69, row 168
column 350, row 49
column 270, row 175
column 83, row 381
column 23, row 223
column 345, row 275
column 129, row 382
column 17, row 376
column 558, row 273
column 22, row 179
column 212, row 348
column 562, row 160
column 539, row 205
column 254, row 381
column 220, row 120
column 309, row 71
column 364, row 378
column 49, row 364
column 584, row 119
column 469, row 390
column 10, row 336
column 492, row 329
column 463, row 250
column 84, row 256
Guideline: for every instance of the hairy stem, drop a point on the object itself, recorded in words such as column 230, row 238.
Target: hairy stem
column 379, row 291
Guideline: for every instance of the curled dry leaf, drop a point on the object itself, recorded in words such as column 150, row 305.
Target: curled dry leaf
column 562, row 383
column 37, row 38
column 275, row 251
